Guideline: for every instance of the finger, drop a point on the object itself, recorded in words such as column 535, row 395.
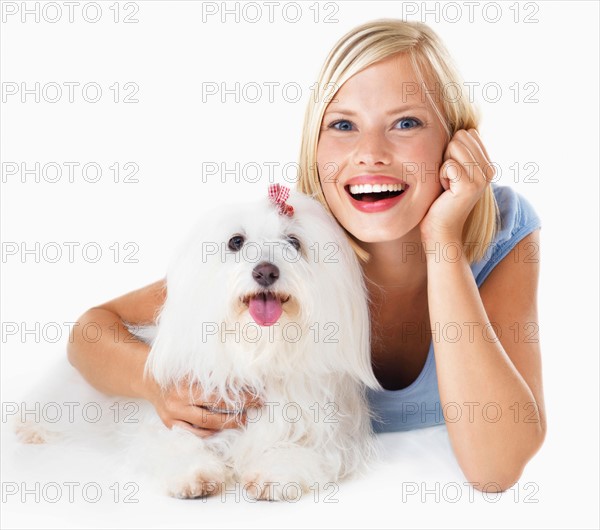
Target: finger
column 452, row 144
column 487, row 168
column 213, row 420
column 187, row 391
column 246, row 399
column 475, row 134
column 220, row 406
column 479, row 155
column 225, row 421
column 450, row 172
column 445, row 183
column 462, row 151
column 193, row 394
column 195, row 429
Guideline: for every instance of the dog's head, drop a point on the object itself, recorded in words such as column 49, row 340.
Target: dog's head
column 253, row 291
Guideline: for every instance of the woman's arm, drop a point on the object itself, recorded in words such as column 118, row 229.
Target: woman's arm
column 114, row 363
column 492, row 374
column 489, row 366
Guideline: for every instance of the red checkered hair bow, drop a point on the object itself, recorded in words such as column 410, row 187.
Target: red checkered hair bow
column 278, row 195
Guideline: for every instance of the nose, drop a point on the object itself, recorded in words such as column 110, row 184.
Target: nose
column 265, row 273
column 372, row 150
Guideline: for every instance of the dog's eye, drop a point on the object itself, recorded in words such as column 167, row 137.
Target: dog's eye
column 235, row 243
column 294, row 241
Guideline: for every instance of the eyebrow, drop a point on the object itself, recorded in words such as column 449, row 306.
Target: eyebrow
column 398, row 110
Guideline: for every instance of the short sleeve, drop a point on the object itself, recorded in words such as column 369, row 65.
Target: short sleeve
column 518, row 219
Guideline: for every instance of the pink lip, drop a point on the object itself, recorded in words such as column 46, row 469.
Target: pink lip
column 377, row 206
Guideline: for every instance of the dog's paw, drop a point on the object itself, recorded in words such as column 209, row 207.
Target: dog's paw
column 283, row 474
column 33, row 433
column 193, row 488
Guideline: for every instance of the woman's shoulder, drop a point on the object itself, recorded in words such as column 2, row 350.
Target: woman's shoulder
column 518, row 218
column 516, row 212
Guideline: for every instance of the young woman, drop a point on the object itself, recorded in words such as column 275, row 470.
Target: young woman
column 391, row 148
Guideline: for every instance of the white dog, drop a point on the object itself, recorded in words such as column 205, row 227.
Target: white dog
column 266, row 297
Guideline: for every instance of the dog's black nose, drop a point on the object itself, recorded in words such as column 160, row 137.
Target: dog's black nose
column 265, row 273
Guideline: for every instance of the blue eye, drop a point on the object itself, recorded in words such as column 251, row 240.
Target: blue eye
column 403, row 123
column 337, row 123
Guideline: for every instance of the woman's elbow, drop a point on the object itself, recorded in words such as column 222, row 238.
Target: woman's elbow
column 500, row 478
column 74, row 349
column 496, row 482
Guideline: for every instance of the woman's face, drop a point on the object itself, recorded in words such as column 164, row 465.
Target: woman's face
column 380, row 130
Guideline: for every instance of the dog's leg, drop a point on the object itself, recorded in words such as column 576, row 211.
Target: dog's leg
column 284, row 474
column 280, row 457
column 65, row 408
column 273, row 463
column 185, row 465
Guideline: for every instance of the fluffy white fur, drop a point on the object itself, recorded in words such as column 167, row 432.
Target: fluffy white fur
column 311, row 368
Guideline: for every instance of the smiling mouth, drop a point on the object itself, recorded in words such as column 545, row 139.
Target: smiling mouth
column 374, row 193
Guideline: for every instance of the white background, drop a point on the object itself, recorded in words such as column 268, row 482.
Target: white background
column 170, row 132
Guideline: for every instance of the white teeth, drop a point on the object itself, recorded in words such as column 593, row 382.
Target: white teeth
column 374, row 188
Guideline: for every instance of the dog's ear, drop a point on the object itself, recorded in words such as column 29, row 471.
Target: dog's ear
column 340, row 297
column 354, row 347
column 191, row 309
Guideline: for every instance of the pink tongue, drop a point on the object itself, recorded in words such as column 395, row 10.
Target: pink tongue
column 370, row 198
column 374, row 197
column 265, row 309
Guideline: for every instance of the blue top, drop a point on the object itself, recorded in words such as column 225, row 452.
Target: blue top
column 418, row 405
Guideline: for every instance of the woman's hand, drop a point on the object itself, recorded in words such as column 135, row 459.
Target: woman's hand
column 194, row 411
column 464, row 175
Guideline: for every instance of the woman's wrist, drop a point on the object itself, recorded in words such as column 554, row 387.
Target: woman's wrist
column 441, row 244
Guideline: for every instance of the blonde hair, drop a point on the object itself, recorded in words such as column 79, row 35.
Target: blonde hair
column 433, row 66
